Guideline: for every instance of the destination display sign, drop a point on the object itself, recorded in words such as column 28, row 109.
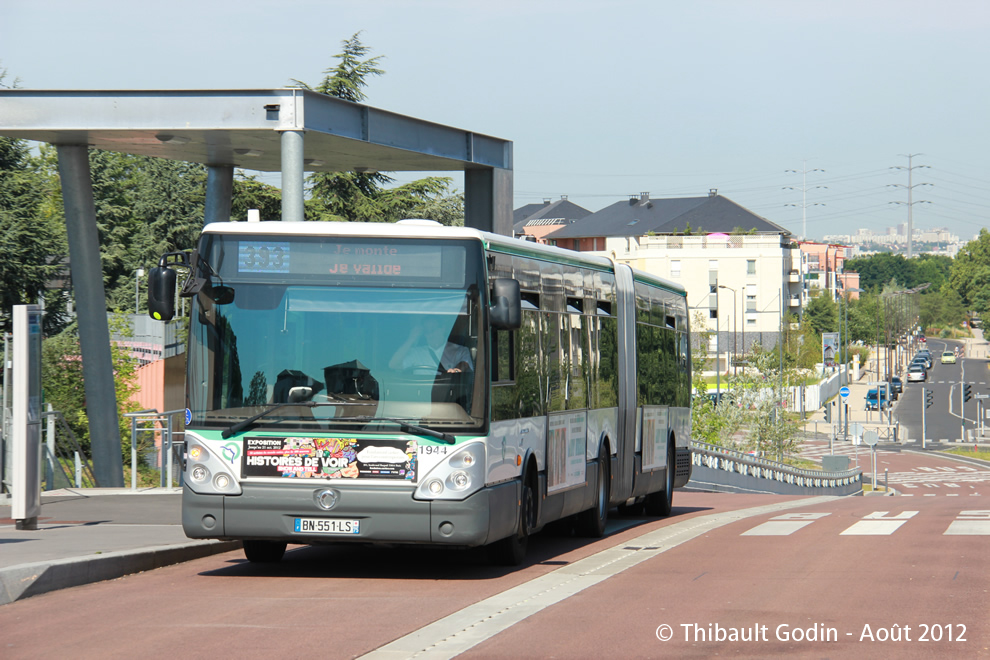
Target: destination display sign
column 350, row 259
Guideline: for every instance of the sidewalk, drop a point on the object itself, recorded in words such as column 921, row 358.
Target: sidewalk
column 89, row 535
column 856, row 402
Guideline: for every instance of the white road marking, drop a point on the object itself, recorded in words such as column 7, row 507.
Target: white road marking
column 784, row 525
column 878, row 524
column 970, row 523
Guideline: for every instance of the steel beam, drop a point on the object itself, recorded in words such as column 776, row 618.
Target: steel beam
column 219, row 192
column 91, row 309
column 292, row 176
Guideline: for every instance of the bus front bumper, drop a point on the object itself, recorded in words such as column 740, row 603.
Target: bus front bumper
column 384, row 515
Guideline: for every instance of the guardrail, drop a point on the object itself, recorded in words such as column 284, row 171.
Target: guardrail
column 154, row 421
column 735, row 462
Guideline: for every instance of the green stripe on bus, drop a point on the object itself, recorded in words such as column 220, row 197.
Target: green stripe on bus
column 542, row 256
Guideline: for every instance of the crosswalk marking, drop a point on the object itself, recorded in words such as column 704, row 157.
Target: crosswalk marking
column 784, row 525
column 970, row 523
column 878, row 524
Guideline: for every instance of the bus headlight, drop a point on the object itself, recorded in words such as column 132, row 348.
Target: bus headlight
column 459, row 480
column 207, row 473
column 459, row 475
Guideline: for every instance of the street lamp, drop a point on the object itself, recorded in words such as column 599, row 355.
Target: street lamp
column 847, row 293
column 137, row 288
column 734, row 351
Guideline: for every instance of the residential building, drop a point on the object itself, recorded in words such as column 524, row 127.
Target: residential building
column 823, row 270
column 538, row 220
column 741, row 271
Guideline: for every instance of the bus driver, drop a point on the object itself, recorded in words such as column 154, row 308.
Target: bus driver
column 438, row 350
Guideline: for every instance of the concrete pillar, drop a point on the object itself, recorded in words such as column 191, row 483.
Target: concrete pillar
column 219, row 192
column 488, row 200
column 91, row 309
column 292, row 177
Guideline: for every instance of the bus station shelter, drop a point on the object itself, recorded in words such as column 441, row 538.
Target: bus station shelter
column 291, row 131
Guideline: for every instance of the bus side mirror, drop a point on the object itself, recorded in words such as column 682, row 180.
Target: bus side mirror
column 161, row 293
column 506, row 309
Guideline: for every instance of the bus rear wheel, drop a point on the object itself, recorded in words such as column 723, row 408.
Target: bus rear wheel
column 591, row 523
column 661, row 502
column 264, row 552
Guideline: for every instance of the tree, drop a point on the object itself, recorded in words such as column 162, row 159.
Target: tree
column 33, row 248
column 772, row 430
column 446, row 209
column 61, row 374
column 877, row 270
column 249, row 193
column 361, row 196
column 970, row 273
column 823, row 314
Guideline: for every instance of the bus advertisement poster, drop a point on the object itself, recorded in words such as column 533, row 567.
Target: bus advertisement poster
column 329, row 458
column 566, row 450
column 655, row 423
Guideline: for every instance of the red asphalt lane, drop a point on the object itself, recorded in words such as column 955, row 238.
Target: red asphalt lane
column 814, row 580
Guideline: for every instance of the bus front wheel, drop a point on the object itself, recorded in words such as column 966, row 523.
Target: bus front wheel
column 264, row 552
column 511, row 551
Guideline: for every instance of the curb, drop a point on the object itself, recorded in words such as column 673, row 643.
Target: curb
column 26, row 580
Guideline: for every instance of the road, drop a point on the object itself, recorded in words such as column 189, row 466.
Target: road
column 845, row 569
column 943, row 422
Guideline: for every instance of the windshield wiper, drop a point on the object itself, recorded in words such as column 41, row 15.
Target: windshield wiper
column 409, row 428
column 244, row 423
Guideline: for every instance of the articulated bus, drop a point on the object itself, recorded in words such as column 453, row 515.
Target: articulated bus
column 414, row 383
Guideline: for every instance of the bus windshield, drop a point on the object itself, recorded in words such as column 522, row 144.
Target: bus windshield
column 366, row 348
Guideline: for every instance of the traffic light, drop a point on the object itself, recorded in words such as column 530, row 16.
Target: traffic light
column 929, row 398
column 828, row 413
column 967, row 392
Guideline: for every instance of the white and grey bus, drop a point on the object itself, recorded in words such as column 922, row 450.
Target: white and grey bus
column 414, row 383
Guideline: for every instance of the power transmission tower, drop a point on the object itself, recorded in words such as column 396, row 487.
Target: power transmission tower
column 804, row 195
column 910, row 188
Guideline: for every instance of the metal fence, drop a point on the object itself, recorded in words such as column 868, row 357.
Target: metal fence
column 162, row 453
column 65, row 464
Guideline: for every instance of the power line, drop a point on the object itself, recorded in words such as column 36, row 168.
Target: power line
column 910, row 188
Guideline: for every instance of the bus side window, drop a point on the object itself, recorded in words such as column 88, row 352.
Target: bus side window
column 503, row 356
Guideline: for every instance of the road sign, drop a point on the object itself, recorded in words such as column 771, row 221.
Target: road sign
column 870, row 437
column 981, row 396
column 844, row 392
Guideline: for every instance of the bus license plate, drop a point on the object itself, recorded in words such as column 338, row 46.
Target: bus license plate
column 325, row 526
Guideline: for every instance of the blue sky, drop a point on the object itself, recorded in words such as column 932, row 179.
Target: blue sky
column 602, row 99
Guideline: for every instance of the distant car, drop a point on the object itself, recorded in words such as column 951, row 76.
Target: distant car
column 897, row 385
column 924, row 357
column 917, row 373
column 948, row 357
column 921, row 339
column 876, row 399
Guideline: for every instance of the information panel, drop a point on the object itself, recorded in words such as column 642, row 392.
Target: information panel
column 567, row 443
column 655, row 424
column 329, row 458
